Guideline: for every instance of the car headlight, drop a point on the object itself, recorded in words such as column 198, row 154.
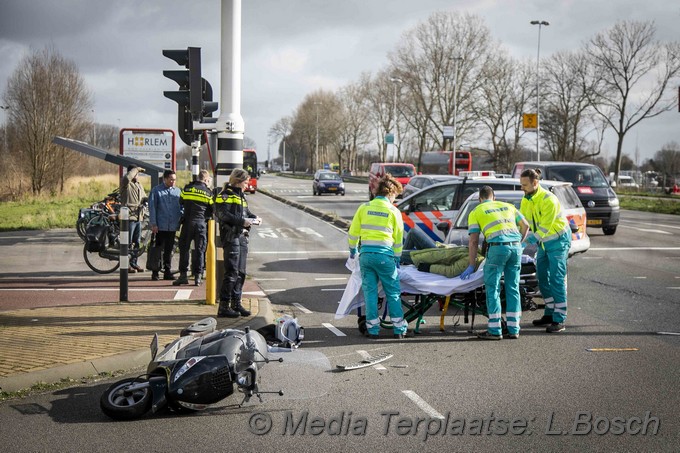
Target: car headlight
column 613, row 202
column 322, row 184
column 342, row 185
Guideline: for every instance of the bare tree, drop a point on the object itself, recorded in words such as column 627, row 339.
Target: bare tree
column 280, row 131
column 47, row 97
column 354, row 130
column 668, row 160
column 630, row 74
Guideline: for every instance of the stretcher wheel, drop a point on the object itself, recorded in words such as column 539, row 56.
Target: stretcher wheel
column 361, row 321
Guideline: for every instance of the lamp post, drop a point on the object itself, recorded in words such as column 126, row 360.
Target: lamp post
column 4, row 131
column 395, row 80
column 538, row 97
column 94, row 128
column 456, row 60
column 316, row 148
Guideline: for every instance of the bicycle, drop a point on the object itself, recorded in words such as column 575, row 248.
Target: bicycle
column 110, row 204
column 102, row 246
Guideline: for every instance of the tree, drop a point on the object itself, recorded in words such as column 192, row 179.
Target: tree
column 668, row 160
column 628, row 77
column 46, row 97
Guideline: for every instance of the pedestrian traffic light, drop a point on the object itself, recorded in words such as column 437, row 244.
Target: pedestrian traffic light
column 194, row 97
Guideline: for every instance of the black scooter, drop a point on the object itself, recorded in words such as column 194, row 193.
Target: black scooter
column 194, row 371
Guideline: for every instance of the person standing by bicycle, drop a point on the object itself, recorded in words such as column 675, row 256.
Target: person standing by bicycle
column 165, row 213
column 132, row 195
column 378, row 230
column 197, row 200
column 231, row 209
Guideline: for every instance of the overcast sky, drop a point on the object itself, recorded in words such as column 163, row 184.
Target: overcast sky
column 290, row 48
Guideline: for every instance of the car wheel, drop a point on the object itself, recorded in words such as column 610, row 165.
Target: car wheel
column 343, row 194
column 608, row 231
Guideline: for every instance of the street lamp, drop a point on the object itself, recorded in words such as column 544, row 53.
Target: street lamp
column 395, row 80
column 316, row 152
column 538, row 97
column 456, row 60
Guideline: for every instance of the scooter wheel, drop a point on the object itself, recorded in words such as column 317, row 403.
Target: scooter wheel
column 119, row 403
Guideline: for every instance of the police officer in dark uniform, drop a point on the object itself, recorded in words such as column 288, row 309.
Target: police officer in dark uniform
column 231, row 209
column 197, row 200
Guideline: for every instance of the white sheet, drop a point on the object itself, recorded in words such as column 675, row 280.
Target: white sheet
column 412, row 281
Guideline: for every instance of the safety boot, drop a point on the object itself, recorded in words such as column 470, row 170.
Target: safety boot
column 167, row 275
column 182, row 280
column 225, row 311
column 239, row 308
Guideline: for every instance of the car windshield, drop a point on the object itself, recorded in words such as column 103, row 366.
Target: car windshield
column 579, row 176
column 329, row 176
column 400, row 171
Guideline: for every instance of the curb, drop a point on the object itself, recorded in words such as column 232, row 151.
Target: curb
column 340, row 223
column 124, row 361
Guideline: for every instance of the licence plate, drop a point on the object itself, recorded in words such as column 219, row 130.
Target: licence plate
column 332, row 188
column 594, row 222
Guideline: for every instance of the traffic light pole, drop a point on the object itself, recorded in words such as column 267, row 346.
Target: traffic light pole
column 230, row 126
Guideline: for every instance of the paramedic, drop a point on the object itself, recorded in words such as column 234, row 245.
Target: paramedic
column 503, row 228
column 378, row 230
column 550, row 229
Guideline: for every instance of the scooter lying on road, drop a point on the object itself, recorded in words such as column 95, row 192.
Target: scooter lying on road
column 194, row 371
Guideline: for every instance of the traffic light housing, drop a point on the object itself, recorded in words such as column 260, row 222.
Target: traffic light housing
column 194, row 96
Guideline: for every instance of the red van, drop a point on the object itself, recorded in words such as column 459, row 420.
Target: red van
column 402, row 172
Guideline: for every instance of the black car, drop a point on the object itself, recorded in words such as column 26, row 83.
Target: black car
column 326, row 181
column 590, row 185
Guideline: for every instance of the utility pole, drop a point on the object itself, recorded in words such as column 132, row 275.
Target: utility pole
column 540, row 23
column 230, row 126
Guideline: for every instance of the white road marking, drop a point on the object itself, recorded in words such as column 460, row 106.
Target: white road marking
column 298, row 252
column 641, row 277
column 646, row 230
column 255, row 293
column 330, row 278
column 333, row 329
column 429, row 410
column 270, row 291
column 653, row 224
column 332, row 289
column 669, row 333
column 183, row 294
column 608, row 249
column 302, row 308
column 672, row 287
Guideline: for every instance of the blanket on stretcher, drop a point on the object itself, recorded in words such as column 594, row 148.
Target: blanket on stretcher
column 412, row 281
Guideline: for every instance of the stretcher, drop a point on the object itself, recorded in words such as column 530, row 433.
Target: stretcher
column 421, row 290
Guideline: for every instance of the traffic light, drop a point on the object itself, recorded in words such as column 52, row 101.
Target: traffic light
column 194, row 97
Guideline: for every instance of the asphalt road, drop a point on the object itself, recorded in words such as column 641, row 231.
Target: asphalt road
column 594, row 387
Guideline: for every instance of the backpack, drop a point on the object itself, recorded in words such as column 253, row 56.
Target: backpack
column 96, row 237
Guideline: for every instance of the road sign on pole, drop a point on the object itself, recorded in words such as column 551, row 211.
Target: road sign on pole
column 529, row 121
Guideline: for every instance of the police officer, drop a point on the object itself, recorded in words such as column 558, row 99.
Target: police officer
column 503, row 228
column 550, row 229
column 378, row 229
column 231, row 209
column 197, row 200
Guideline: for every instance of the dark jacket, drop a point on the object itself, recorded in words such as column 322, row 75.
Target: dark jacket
column 197, row 200
column 231, row 209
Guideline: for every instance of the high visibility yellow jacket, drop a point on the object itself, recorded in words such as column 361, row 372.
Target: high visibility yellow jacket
column 497, row 220
column 378, row 227
column 544, row 213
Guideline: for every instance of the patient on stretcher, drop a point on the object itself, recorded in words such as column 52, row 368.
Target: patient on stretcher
column 435, row 257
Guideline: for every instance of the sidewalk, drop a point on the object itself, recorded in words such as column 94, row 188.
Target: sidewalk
column 45, row 345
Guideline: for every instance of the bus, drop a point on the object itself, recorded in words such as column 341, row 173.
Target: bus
column 445, row 162
column 250, row 165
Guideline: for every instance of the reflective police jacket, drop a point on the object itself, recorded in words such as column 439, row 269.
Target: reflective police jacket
column 544, row 213
column 231, row 209
column 379, row 227
column 197, row 200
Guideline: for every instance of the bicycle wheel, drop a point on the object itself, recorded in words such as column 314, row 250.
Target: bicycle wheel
column 81, row 224
column 103, row 262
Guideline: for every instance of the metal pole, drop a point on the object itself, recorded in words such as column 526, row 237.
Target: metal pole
column 230, row 126
column 283, row 166
column 538, row 85
column 210, row 263
column 195, row 155
column 124, row 258
column 316, row 148
column 455, row 104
